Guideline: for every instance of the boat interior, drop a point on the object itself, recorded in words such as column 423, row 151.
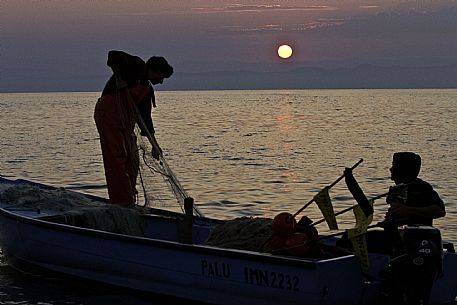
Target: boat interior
column 157, row 224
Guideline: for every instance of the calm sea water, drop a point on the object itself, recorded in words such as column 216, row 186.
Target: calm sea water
column 238, row 153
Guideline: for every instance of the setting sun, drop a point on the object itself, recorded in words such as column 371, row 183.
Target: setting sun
column 285, row 51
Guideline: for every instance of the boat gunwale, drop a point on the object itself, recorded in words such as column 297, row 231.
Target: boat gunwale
column 203, row 249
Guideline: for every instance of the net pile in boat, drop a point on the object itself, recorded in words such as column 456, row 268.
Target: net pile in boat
column 33, row 197
column 110, row 218
column 244, row 233
column 76, row 209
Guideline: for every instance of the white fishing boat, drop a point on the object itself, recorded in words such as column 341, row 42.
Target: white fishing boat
column 156, row 257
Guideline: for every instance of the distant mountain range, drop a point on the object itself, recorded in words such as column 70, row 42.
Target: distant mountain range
column 362, row 76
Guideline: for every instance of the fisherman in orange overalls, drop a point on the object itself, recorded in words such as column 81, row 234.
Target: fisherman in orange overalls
column 130, row 86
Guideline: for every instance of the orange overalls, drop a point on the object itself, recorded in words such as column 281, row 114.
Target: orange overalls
column 115, row 119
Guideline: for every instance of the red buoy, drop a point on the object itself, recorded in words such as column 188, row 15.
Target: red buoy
column 297, row 244
column 283, row 224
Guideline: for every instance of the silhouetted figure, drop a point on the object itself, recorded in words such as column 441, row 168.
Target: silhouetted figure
column 412, row 201
column 129, row 87
column 416, row 251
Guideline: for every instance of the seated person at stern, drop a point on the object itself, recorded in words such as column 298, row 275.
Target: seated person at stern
column 412, row 200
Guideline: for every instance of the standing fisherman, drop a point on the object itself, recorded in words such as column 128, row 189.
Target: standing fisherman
column 130, row 86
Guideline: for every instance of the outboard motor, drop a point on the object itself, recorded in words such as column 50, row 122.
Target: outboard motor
column 411, row 274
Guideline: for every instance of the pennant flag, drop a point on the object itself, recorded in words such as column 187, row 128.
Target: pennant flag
column 357, row 234
column 361, row 219
column 324, row 203
column 359, row 244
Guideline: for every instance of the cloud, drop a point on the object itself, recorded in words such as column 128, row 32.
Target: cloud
column 369, row 6
column 260, row 8
column 247, row 29
column 319, row 23
column 297, row 27
column 264, row 7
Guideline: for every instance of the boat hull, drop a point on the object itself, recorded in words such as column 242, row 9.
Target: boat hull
column 202, row 273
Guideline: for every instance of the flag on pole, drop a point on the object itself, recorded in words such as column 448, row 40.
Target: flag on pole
column 361, row 220
column 324, row 203
column 357, row 235
column 359, row 244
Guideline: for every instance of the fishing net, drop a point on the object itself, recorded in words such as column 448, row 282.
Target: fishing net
column 157, row 184
column 74, row 209
column 155, row 175
column 243, row 233
column 110, row 218
column 34, row 197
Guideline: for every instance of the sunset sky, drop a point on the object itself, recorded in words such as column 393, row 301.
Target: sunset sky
column 62, row 44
